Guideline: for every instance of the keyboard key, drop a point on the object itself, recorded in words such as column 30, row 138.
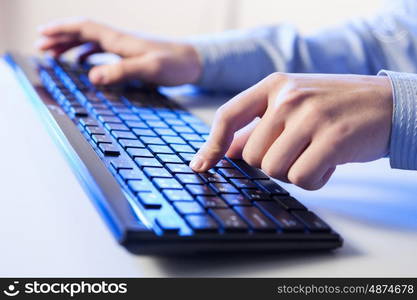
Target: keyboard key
column 200, row 128
column 183, row 129
column 212, row 176
column 136, row 124
column 312, row 221
column 157, row 172
column 94, row 130
column 123, row 135
column 143, row 132
column 243, row 183
column 139, row 186
column 131, row 143
column 165, row 114
column 225, row 188
column 150, row 117
column 188, row 207
column 255, row 218
column 147, row 162
column 150, row 200
column 202, row 223
column 188, row 118
column 236, row 199
column 160, row 149
column 182, row 148
column 169, row 158
column 119, row 164
column 173, row 139
column 167, row 183
column 168, row 224
column 152, row 140
column 248, row 170
column 271, row 187
column 231, row 173
column 139, row 152
column 211, row 202
column 192, row 137
column 186, row 157
column 223, row 163
column 196, row 145
column 165, row 131
column 121, row 110
column 109, row 149
column 177, row 195
column 99, row 138
column 189, row 178
column 179, row 168
column 228, row 219
column 129, row 117
column 197, row 190
column 129, row 174
column 156, row 124
column 174, row 122
column 110, row 119
column 289, row 203
column 78, row 112
column 280, row 216
column 256, row 195
column 116, row 126
column 105, row 114
column 87, row 122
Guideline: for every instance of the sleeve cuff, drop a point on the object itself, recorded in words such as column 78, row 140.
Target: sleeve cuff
column 403, row 144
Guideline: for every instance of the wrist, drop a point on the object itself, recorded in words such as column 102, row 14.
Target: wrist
column 194, row 63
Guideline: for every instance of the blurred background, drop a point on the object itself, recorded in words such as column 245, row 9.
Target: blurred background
column 20, row 18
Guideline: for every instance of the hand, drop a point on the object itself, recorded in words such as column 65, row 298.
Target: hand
column 308, row 125
column 151, row 60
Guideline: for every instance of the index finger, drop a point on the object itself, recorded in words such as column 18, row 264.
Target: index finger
column 229, row 118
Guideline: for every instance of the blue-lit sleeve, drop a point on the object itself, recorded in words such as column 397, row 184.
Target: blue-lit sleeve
column 235, row 60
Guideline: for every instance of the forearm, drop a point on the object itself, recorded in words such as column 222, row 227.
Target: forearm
column 238, row 59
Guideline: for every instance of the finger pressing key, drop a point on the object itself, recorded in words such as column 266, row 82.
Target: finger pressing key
column 230, row 117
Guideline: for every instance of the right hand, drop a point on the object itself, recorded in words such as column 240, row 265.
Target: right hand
column 155, row 61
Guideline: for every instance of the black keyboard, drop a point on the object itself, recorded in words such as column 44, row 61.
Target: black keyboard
column 147, row 140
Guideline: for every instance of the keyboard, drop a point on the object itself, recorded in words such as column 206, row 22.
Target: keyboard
column 145, row 141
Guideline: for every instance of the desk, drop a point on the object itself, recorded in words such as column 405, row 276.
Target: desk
column 49, row 227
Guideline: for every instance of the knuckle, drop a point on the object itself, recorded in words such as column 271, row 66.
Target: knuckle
column 294, row 96
column 277, row 77
column 314, row 110
column 222, row 114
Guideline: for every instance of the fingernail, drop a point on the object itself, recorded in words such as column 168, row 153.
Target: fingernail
column 97, row 77
column 196, row 163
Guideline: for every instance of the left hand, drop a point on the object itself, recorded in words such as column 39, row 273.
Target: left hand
column 309, row 124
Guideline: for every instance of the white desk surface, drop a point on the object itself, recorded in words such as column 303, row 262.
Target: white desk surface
column 49, row 227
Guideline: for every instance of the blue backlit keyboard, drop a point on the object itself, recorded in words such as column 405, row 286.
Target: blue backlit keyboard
column 146, row 141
